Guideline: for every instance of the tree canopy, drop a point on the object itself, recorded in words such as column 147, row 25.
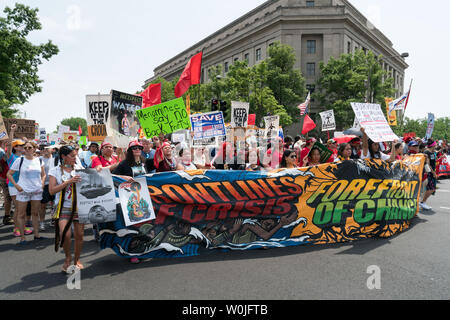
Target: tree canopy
column 19, row 58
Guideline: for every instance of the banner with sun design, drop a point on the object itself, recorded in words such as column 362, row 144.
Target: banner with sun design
column 201, row 210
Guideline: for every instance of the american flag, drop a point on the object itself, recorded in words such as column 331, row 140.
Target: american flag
column 304, row 106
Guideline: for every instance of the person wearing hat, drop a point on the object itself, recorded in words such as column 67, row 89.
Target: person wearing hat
column 86, row 157
column 413, row 147
column 134, row 164
column 163, row 158
column 305, row 151
column 431, row 173
column 355, row 143
column 106, row 159
column 332, row 146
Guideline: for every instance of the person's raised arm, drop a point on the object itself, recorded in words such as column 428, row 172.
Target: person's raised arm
column 365, row 143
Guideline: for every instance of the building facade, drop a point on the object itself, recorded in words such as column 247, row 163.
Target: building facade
column 317, row 30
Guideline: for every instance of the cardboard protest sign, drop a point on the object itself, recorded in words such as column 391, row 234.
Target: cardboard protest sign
column 208, row 125
column 135, row 201
column 430, row 126
column 373, row 120
column 180, row 136
column 328, row 121
column 239, row 114
column 207, row 142
column 272, row 124
column 97, row 111
column 96, row 197
column 122, row 122
column 25, row 128
column 166, row 117
column 3, row 131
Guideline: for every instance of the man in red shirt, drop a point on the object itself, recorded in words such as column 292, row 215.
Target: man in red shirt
column 106, row 159
column 309, row 144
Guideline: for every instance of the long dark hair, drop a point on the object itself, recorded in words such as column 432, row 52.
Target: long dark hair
column 374, row 155
column 130, row 158
column 342, row 147
column 286, row 153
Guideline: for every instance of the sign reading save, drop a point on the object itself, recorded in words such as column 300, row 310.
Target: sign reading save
column 166, row 117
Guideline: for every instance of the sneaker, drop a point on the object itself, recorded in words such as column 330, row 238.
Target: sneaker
column 28, row 230
column 424, row 206
column 135, row 260
column 41, row 226
column 16, row 232
column 7, row 221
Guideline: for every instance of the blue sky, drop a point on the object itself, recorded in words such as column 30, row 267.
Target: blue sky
column 115, row 44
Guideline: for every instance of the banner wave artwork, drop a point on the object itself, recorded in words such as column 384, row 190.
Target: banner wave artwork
column 241, row 210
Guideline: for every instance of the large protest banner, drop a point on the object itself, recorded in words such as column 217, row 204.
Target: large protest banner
column 97, row 111
column 123, row 124
column 430, row 126
column 372, row 119
column 25, row 128
column 166, row 117
column 201, row 210
column 208, row 125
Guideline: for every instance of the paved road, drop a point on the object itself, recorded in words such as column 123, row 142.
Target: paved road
column 413, row 265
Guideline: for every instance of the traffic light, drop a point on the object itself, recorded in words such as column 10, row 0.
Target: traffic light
column 214, row 105
column 223, row 108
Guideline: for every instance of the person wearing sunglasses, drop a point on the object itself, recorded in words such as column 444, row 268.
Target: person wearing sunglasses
column 289, row 160
column 29, row 186
column 134, row 163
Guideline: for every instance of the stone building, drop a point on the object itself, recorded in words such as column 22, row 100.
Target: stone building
column 317, row 30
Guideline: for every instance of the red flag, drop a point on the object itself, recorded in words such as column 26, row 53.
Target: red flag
column 80, row 131
column 251, row 119
column 308, row 125
column 151, row 96
column 190, row 75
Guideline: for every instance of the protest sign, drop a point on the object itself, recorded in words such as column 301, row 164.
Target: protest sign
column 25, row 128
column 166, row 117
column 325, row 153
column 241, row 210
column 391, row 114
column 96, row 197
column 239, row 114
column 208, row 125
column 53, row 138
column 3, row 131
column 430, row 126
column 328, row 121
column 42, row 135
column 97, row 111
column 372, row 119
column 83, row 141
column 206, row 142
column 122, row 122
column 272, row 124
column 180, row 136
column 70, row 136
column 251, row 119
column 135, row 202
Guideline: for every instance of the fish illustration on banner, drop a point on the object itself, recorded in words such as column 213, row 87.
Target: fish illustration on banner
column 135, row 202
column 200, row 210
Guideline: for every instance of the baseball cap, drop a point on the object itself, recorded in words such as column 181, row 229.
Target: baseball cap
column 17, row 143
column 134, row 144
column 311, row 140
column 413, row 143
column 331, row 141
column 104, row 144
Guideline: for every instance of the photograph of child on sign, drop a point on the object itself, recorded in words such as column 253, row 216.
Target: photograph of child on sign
column 135, row 202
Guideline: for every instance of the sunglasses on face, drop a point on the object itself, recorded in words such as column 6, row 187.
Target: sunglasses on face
column 136, row 148
column 28, row 148
column 293, row 157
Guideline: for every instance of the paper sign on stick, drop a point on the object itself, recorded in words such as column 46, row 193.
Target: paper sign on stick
column 3, row 131
column 373, row 120
column 328, row 121
column 239, row 114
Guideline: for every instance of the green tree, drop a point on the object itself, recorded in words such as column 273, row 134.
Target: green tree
column 73, row 123
column 286, row 82
column 352, row 78
column 419, row 126
column 19, row 58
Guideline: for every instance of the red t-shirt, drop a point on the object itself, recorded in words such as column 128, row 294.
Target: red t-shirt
column 100, row 161
column 303, row 154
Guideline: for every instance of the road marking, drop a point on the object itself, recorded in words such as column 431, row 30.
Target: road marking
column 439, row 190
column 445, row 208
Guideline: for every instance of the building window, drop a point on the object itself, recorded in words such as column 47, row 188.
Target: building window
column 349, row 47
column 247, row 57
column 258, row 54
column 236, row 60
column 311, row 46
column 309, row 3
column 226, row 67
column 311, row 69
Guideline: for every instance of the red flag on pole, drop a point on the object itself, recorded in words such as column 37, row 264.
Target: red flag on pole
column 308, row 125
column 80, row 131
column 190, row 75
column 151, row 96
column 251, row 119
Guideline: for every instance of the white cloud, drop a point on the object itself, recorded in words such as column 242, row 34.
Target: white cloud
column 74, row 21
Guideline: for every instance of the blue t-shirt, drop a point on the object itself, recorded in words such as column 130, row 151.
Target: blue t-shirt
column 16, row 174
column 150, row 154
